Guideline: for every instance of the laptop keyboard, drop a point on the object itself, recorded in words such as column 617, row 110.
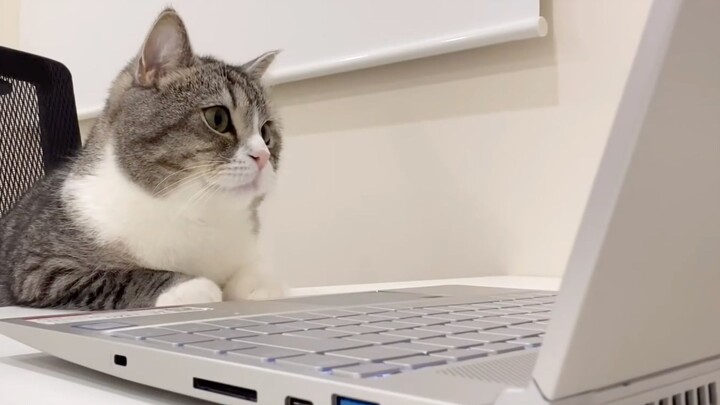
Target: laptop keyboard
column 366, row 341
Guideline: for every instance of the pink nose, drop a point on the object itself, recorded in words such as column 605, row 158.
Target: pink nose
column 260, row 157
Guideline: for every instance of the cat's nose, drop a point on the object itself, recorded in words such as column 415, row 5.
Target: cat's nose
column 260, row 157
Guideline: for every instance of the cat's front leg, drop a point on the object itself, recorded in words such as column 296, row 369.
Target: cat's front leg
column 252, row 283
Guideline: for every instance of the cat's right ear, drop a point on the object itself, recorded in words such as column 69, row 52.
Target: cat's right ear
column 166, row 47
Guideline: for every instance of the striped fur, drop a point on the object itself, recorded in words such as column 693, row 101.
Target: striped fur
column 158, row 208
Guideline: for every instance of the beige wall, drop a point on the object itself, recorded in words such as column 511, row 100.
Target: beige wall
column 475, row 163
column 9, row 20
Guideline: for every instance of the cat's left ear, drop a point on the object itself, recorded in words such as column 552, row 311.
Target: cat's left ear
column 166, row 47
column 258, row 66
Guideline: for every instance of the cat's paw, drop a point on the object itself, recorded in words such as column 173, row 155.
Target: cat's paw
column 196, row 291
column 254, row 287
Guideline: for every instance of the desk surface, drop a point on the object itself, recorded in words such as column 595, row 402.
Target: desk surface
column 31, row 377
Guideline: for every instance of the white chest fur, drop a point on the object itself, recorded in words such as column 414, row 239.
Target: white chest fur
column 188, row 231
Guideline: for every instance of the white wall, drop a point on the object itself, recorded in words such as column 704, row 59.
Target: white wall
column 475, row 163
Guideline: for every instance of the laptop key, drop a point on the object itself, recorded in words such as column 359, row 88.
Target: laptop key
column 529, row 342
column 354, row 329
column 461, row 308
column 528, row 302
column 424, row 321
column 366, row 318
column 373, row 353
column 270, row 329
column 191, row 327
column 478, row 324
column 536, row 316
column 456, row 316
column 303, row 325
column 218, row 346
column 416, row 362
column 513, row 311
column 379, row 339
column 485, row 337
column 490, row 306
column 396, row 315
column 232, row 323
column 265, row 353
column 227, row 333
column 417, row 347
column 536, row 308
column 390, row 325
column 304, row 344
column 427, row 311
column 336, row 322
column 335, row 313
column 452, row 343
column 320, row 334
column 305, row 316
column 270, row 319
column 143, row 333
column 498, row 348
column 446, row 329
column 366, row 370
column 414, row 333
column 460, row 354
column 515, row 332
column 485, row 313
column 179, row 339
column 538, row 327
column 102, row 325
column 318, row 361
column 501, row 305
column 506, row 320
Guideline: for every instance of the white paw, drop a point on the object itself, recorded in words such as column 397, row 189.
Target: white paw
column 254, row 287
column 196, row 291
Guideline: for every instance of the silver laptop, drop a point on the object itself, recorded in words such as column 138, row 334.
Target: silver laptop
column 634, row 323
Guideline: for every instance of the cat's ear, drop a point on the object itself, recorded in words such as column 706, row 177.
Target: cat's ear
column 166, row 47
column 258, row 66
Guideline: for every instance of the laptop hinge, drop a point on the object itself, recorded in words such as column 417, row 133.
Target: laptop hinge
column 695, row 384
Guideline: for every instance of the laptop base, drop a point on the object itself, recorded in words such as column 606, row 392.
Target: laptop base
column 695, row 384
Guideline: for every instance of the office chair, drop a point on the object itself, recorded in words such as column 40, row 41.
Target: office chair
column 38, row 121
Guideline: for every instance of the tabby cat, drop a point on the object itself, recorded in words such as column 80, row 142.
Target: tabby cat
column 160, row 206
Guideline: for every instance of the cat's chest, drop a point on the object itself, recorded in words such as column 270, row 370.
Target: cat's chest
column 214, row 237
column 214, row 250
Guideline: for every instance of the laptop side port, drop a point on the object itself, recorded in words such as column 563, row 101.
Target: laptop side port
column 338, row 400
column 297, row 401
column 225, row 389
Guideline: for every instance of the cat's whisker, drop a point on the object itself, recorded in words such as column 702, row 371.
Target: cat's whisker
column 183, row 182
column 204, row 164
column 211, row 193
column 195, row 197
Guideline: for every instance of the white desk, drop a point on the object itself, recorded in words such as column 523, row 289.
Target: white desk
column 30, row 377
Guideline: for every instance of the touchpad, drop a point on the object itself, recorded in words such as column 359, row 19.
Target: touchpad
column 362, row 298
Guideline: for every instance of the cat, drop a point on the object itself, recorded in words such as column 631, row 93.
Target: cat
column 160, row 206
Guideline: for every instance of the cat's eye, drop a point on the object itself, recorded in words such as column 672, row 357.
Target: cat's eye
column 218, row 118
column 266, row 133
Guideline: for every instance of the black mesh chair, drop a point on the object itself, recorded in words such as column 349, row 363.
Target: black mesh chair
column 38, row 121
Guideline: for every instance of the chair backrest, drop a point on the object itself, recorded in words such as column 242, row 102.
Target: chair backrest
column 38, row 121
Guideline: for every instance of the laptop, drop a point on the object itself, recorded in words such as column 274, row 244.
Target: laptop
column 634, row 322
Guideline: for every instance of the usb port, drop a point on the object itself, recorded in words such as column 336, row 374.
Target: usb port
column 297, row 401
column 338, row 400
column 225, row 389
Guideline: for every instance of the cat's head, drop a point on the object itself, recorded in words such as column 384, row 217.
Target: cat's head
column 179, row 120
